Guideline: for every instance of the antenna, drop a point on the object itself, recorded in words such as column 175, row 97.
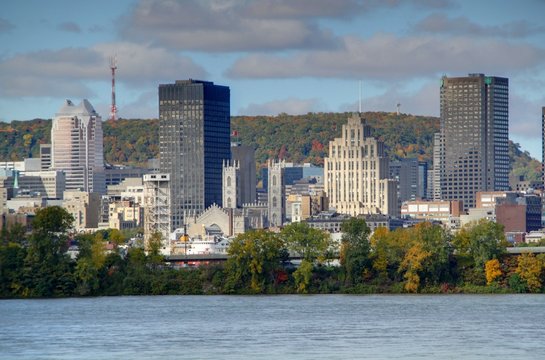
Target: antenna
column 360, row 98
column 113, row 67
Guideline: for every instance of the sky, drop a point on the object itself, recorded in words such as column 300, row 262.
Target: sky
column 291, row 56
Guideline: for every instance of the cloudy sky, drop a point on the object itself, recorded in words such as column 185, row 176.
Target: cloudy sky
column 291, row 56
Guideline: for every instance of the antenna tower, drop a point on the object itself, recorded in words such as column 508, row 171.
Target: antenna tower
column 360, row 99
column 113, row 67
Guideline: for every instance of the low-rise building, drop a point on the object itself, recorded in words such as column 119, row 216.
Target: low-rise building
column 84, row 207
column 125, row 214
column 446, row 212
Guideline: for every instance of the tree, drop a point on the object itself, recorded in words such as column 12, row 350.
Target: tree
column 355, row 247
column 308, row 242
column 530, row 269
column 153, row 249
column 482, row 241
column 90, row 263
column 253, row 258
column 492, row 270
column 412, row 264
column 302, row 276
column 47, row 267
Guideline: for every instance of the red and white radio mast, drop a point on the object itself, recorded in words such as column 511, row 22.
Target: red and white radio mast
column 113, row 67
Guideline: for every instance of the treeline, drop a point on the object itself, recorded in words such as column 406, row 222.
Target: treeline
column 422, row 259
column 295, row 138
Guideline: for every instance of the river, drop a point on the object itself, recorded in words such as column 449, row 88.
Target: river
column 275, row 327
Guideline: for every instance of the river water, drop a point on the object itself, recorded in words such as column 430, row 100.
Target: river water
column 275, row 327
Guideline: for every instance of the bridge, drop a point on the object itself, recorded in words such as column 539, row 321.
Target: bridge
column 204, row 259
column 526, row 250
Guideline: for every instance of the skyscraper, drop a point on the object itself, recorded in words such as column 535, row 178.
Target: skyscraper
column 543, row 145
column 194, row 140
column 356, row 174
column 474, row 136
column 77, row 147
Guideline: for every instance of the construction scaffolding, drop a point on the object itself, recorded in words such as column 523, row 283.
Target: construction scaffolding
column 157, row 207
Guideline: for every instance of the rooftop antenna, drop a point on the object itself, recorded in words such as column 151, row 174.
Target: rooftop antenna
column 113, row 67
column 360, row 98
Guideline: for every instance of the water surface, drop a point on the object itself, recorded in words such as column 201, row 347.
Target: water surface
column 275, row 327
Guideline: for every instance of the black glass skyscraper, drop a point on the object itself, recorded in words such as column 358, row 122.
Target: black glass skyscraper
column 194, row 139
column 474, row 136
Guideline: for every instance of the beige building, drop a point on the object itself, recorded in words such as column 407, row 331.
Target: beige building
column 356, row 173
column 77, row 147
column 447, row 212
column 84, row 207
column 125, row 214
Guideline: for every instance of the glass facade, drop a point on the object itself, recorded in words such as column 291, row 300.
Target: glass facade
column 194, row 140
column 474, row 137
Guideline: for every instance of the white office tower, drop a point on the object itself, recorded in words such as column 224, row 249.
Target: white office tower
column 276, row 195
column 77, row 147
column 356, row 173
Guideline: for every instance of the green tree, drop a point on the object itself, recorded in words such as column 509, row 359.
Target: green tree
column 253, row 258
column 47, row 267
column 482, row 241
column 90, row 263
column 302, row 276
column 355, row 248
column 153, row 247
column 12, row 258
column 308, row 242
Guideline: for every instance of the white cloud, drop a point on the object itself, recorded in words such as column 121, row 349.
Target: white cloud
column 67, row 72
column 389, row 57
column 144, row 107
column 442, row 24
column 292, row 106
column 525, row 116
column 217, row 26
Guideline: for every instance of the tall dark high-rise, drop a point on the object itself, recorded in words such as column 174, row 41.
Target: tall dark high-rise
column 543, row 145
column 474, row 136
column 194, row 140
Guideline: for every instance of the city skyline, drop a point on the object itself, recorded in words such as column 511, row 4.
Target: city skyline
column 276, row 56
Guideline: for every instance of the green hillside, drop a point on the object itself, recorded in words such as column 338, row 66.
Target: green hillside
column 296, row 138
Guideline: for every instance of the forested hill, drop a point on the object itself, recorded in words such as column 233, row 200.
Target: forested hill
column 297, row 138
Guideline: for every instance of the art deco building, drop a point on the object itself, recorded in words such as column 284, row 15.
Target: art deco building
column 474, row 136
column 77, row 147
column 356, row 173
column 194, row 140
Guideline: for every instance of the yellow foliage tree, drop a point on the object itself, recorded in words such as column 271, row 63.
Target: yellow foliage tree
column 412, row 264
column 492, row 270
column 530, row 269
